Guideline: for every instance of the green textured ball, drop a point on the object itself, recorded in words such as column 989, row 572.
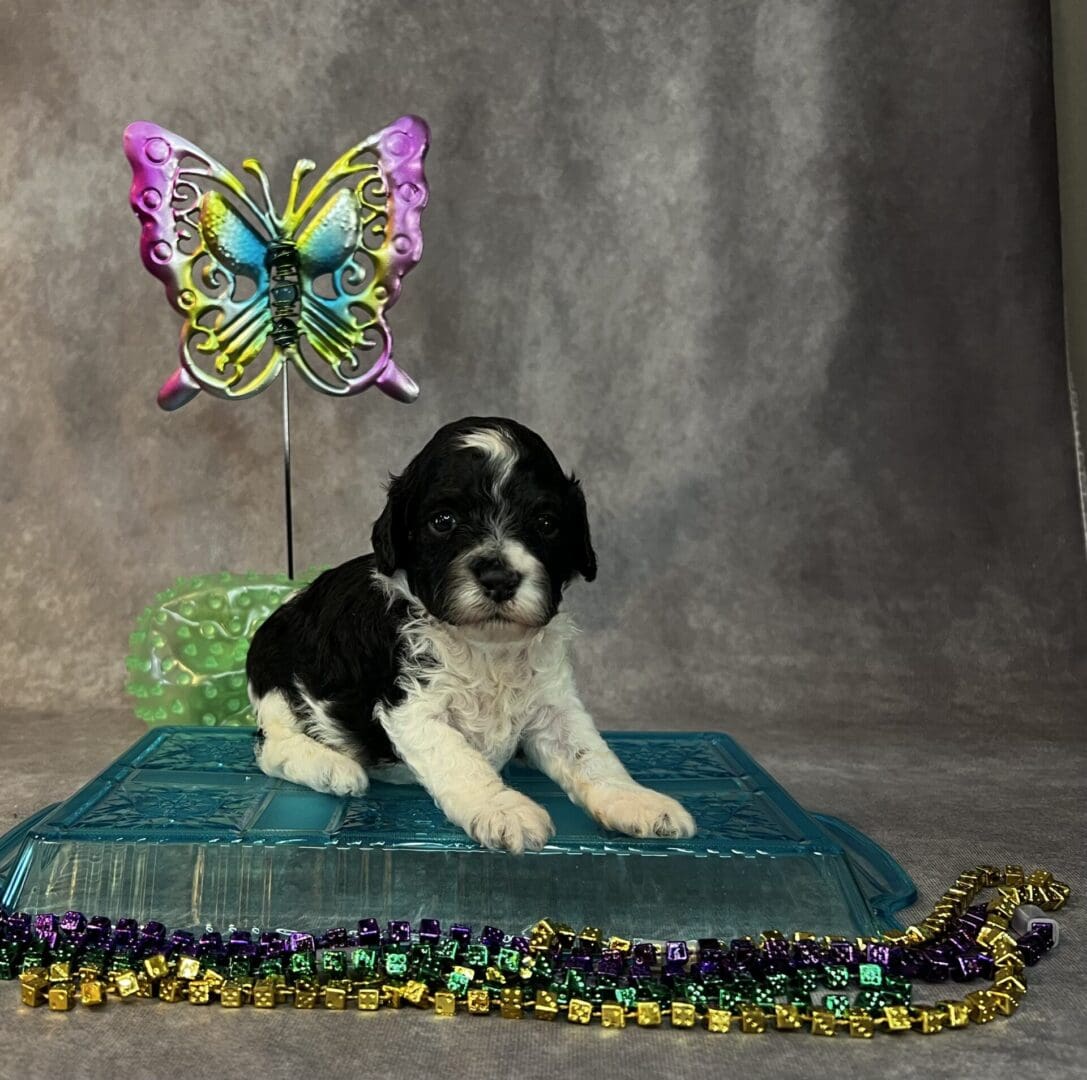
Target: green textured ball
column 187, row 659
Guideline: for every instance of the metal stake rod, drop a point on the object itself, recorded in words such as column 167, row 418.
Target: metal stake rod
column 288, row 510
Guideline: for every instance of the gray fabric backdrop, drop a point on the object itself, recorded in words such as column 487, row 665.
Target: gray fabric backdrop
column 781, row 280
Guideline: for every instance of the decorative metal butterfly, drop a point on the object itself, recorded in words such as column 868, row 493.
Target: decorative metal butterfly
column 257, row 288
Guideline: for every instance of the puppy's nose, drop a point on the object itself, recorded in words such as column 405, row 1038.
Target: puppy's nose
column 498, row 580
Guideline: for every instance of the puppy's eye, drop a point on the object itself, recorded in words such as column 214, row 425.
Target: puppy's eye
column 442, row 523
column 548, row 525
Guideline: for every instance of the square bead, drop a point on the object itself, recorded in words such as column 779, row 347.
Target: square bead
column 369, row 999
column 541, row 936
column 32, row 993
column 396, row 964
column 199, row 991
column 958, row 1013
column 230, row 995
column 61, row 971
column 613, row 1015
column 509, row 960
column 870, row 975
column 335, row 997
column 752, row 1020
column 511, row 1003
column 171, row 989
column 897, row 1017
column 127, row 984
column 458, row 979
column 477, row 955
column 589, row 938
column 156, row 966
column 145, row 988
column 34, row 960
column 1009, row 982
column 649, row 1014
column 862, row 1025
column 763, row 995
column 547, row 1005
column 188, row 967
column 391, row 995
column 447, row 949
column 334, row 962
column 981, row 1006
column 445, row 1003
column 787, row 1018
column 416, row 992
column 806, row 978
column 836, row 976
column 305, row 995
column 363, row 961
column 836, row 1003
column 264, row 995
column 777, row 982
column 61, row 997
column 683, row 1014
column 92, row 992
column 718, row 1020
column 932, row 1020
column 579, row 1011
column 479, row 1002
column 823, row 1022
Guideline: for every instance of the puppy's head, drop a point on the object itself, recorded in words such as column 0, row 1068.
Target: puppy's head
column 485, row 526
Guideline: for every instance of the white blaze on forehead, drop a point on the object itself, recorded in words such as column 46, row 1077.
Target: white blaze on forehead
column 499, row 450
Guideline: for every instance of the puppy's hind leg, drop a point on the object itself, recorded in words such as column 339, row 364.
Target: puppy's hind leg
column 286, row 751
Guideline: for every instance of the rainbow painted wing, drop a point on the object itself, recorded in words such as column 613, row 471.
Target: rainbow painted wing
column 256, row 288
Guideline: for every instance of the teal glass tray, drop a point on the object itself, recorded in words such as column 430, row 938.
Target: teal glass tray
column 184, row 828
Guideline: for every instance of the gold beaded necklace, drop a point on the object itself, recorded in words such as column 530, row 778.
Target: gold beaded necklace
column 185, row 979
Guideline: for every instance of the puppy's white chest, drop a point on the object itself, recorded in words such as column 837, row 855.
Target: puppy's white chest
column 488, row 692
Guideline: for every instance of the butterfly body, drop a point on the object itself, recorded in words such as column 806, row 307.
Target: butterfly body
column 284, row 292
column 256, row 288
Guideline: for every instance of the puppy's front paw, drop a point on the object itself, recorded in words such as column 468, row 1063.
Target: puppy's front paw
column 304, row 761
column 511, row 822
column 342, row 778
column 638, row 811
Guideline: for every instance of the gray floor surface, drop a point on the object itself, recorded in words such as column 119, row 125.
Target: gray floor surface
column 1000, row 783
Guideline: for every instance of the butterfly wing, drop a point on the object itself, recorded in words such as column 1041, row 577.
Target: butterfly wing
column 362, row 242
column 197, row 239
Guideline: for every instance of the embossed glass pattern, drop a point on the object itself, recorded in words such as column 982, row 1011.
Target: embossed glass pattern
column 184, row 828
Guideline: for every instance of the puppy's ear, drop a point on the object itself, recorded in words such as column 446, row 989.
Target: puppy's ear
column 390, row 533
column 584, row 556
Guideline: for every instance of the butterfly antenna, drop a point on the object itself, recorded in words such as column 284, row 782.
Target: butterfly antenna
column 254, row 167
column 302, row 167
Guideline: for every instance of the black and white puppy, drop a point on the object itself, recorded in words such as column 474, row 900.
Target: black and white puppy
column 443, row 654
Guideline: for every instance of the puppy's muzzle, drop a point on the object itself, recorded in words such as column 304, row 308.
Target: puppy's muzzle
column 498, row 582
